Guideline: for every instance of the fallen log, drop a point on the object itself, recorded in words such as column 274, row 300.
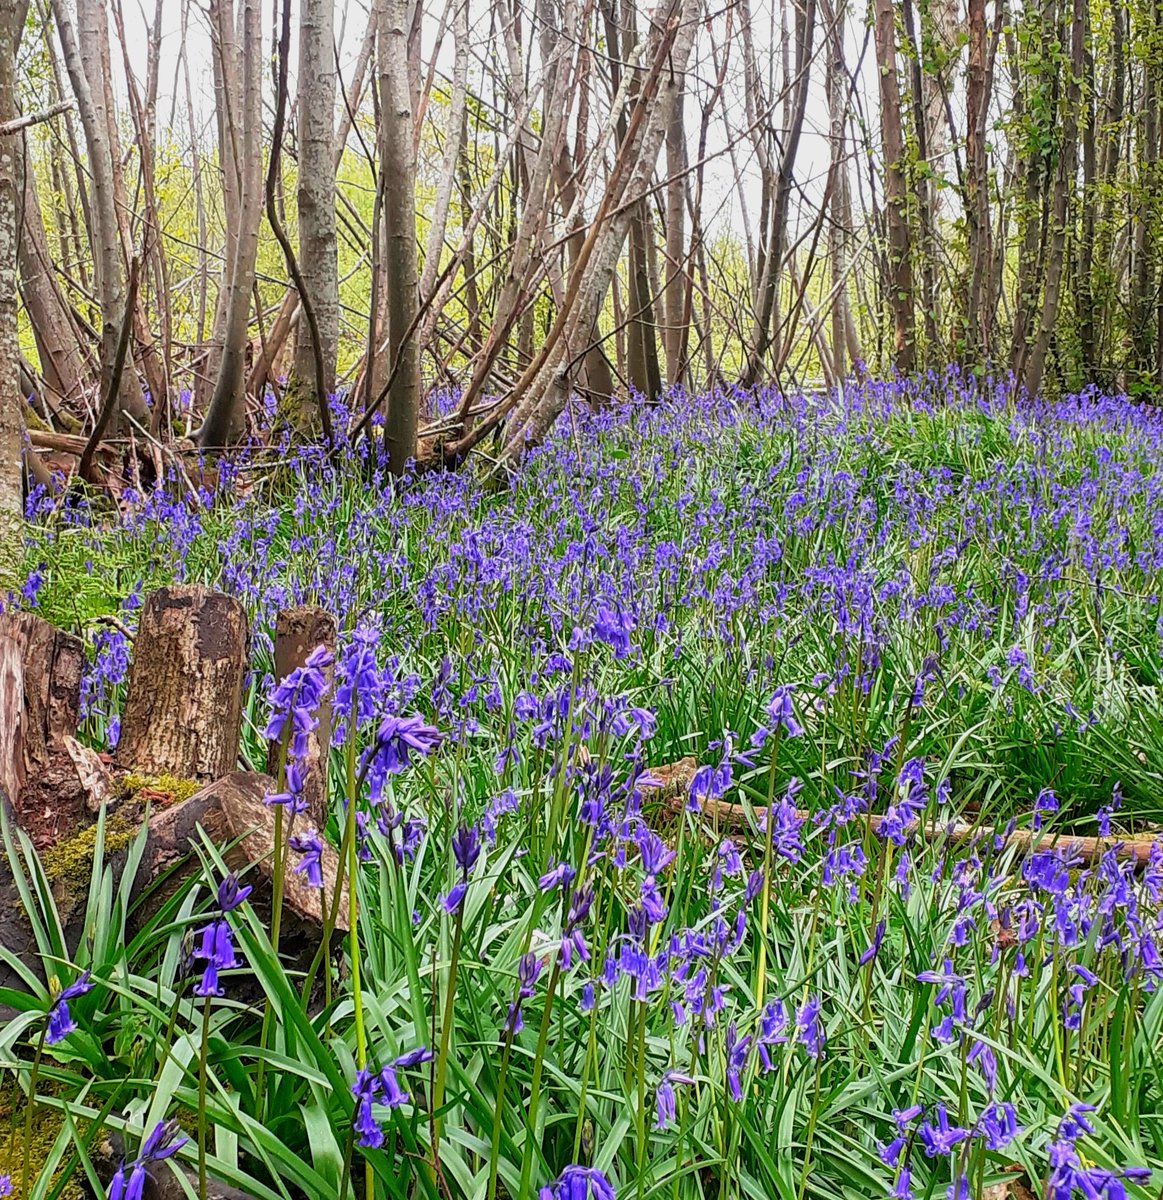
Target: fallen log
column 675, row 782
column 234, row 815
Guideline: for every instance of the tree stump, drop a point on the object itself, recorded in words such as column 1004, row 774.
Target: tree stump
column 298, row 631
column 40, row 708
column 183, row 711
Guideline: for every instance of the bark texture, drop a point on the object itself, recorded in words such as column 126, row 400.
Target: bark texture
column 898, row 251
column 40, row 709
column 225, row 418
column 11, row 498
column 398, row 164
column 183, row 710
column 316, row 201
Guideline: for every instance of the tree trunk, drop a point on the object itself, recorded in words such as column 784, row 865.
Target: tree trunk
column 645, row 373
column 543, row 391
column 58, row 347
column 183, row 709
column 40, row 771
column 318, row 248
column 86, row 68
column 773, row 239
column 11, row 426
column 978, row 312
column 397, row 163
column 899, row 281
column 225, row 418
column 925, row 174
column 453, row 131
column 676, row 270
column 1064, row 184
column 844, row 340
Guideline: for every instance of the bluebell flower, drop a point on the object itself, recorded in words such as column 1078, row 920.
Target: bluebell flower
column 381, row 1087
column 560, row 874
column 309, row 847
column 398, row 741
column 1044, row 806
column 902, row 1190
column 528, row 969
column 466, row 848
column 874, row 946
column 60, row 1019
column 216, row 942
column 292, row 798
column 736, row 1054
column 579, row 1183
column 940, row 1138
column 710, row 783
column 981, row 1053
column 999, row 1124
column 163, row 1141
column 297, row 698
column 614, row 628
column 810, row 1028
column 665, row 1105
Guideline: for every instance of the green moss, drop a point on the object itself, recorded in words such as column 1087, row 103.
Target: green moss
column 72, row 859
column 46, row 1127
column 177, row 789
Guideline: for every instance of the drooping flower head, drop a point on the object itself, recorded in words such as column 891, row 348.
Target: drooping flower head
column 163, row 1141
column 60, row 1019
column 215, row 943
column 579, row 1183
column 398, row 741
column 297, row 698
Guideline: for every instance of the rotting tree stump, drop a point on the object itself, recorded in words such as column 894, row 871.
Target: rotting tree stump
column 299, row 631
column 52, row 781
column 183, row 709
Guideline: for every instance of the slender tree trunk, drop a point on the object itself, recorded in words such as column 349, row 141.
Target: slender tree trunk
column 399, row 215
column 315, row 186
column 676, row 272
column 977, row 215
column 845, row 344
column 226, row 416
column 62, row 359
column 773, row 238
column 925, row 173
column 11, row 426
column 453, row 132
column 84, row 65
column 226, row 63
column 899, row 283
column 1101, row 288
column 1064, row 184
column 543, row 391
